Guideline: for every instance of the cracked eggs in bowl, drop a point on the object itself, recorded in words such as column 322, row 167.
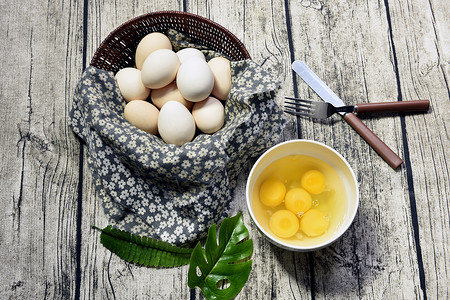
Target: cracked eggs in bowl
column 302, row 195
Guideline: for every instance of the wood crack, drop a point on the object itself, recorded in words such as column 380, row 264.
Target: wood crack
column 292, row 57
column 25, row 137
column 78, row 271
column 438, row 52
column 407, row 159
column 312, row 280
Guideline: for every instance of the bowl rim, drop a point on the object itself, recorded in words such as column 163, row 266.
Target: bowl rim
column 282, row 244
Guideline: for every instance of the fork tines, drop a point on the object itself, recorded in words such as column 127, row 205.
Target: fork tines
column 298, row 107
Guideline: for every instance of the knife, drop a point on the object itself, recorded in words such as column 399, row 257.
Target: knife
column 329, row 96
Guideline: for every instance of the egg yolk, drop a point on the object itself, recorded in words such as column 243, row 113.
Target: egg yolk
column 313, row 222
column 284, row 223
column 272, row 192
column 298, row 201
column 313, row 181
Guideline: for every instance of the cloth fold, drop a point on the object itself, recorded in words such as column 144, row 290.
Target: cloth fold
column 161, row 190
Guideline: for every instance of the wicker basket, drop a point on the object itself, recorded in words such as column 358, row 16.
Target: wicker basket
column 118, row 49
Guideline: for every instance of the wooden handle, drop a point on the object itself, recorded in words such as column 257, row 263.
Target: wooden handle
column 381, row 148
column 398, row 106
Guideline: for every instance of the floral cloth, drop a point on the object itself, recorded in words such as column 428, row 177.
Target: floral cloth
column 164, row 191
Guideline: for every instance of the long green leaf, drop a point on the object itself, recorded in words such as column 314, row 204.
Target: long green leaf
column 143, row 250
column 227, row 261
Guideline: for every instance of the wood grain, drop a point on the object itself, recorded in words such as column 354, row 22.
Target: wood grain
column 422, row 64
column 365, row 51
column 40, row 62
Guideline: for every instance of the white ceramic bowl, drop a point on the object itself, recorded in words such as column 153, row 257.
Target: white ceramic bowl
column 325, row 154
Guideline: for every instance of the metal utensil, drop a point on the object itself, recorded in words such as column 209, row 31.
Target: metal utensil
column 328, row 96
column 323, row 110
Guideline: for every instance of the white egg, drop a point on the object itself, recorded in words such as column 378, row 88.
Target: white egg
column 143, row 115
column 160, row 68
column 187, row 53
column 130, row 84
column 195, row 80
column 221, row 69
column 150, row 43
column 176, row 124
column 209, row 115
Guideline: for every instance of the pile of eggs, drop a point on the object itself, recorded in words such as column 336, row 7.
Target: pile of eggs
column 284, row 222
column 174, row 93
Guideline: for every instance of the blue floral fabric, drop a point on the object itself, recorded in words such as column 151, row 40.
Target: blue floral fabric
column 164, row 191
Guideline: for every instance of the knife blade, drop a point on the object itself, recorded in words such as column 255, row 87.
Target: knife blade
column 329, row 96
column 316, row 83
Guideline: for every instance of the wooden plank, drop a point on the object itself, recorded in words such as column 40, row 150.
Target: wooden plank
column 104, row 275
column 39, row 178
column 346, row 44
column 261, row 26
column 420, row 40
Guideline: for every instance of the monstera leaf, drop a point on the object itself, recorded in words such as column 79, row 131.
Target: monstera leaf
column 143, row 250
column 222, row 268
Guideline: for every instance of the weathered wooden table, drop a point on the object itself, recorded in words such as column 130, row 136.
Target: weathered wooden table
column 366, row 51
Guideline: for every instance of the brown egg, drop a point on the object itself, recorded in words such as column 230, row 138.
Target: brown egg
column 169, row 93
column 209, row 115
column 221, row 70
column 150, row 43
column 143, row 115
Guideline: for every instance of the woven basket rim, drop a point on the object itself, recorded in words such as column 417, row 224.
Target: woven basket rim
column 111, row 36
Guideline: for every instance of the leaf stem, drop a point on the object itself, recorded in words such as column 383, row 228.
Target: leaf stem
column 95, row 227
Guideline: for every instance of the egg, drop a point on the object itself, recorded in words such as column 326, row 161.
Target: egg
column 272, row 192
column 187, row 53
column 130, row 84
column 313, row 181
column 148, row 44
column 143, row 115
column 195, row 80
column 176, row 124
column 209, row 115
column 284, row 223
column 221, row 69
column 160, row 68
column 167, row 93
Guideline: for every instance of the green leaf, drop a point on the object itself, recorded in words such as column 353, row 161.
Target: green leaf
column 225, row 262
column 143, row 250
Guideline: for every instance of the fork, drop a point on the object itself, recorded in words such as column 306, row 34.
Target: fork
column 323, row 110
